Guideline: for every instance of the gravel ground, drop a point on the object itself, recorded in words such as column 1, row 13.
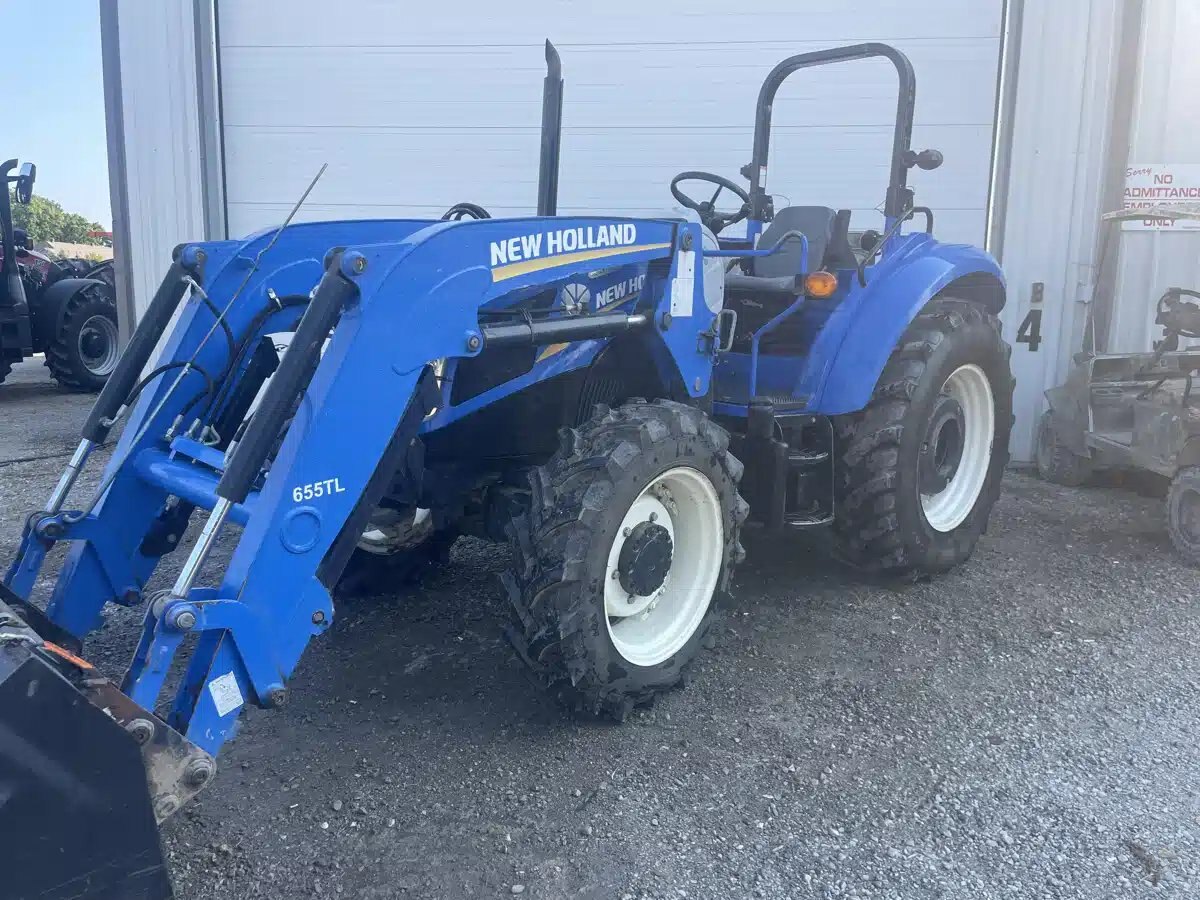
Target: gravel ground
column 1024, row 727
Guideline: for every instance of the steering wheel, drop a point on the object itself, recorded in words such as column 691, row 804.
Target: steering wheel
column 712, row 219
column 460, row 211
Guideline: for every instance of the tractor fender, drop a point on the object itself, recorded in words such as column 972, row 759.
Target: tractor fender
column 850, row 351
column 49, row 307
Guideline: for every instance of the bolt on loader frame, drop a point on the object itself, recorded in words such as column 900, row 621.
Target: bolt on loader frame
column 578, row 386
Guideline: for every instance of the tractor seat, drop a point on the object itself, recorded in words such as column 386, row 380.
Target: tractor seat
column 828, row 233
column 775, row 281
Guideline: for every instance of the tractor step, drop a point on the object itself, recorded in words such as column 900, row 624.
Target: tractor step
column 804, row 459
column 807, row 521
column 808, row 500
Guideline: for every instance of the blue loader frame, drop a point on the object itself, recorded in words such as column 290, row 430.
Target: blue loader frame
column 402, row 293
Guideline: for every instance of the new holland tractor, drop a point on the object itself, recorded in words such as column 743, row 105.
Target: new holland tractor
column 613, row 398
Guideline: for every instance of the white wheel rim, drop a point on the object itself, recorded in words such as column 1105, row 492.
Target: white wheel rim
column 649, row 629
column 390, row 531
column 98, row 346
column 949, row 507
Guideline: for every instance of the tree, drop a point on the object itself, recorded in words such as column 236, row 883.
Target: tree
column 45, row 220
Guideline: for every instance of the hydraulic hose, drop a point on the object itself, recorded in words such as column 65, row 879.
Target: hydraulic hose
column 224, row 379
column 137, row 353
column 294, row 372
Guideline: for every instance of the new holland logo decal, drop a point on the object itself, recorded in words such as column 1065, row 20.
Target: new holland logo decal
column 545, row 249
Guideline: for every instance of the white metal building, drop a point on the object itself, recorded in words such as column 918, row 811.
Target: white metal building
column 221, row 111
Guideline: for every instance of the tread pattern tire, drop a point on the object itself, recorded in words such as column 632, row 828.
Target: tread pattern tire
column 1056, row 462
column 62, row 354
column 1182, row 524
column 879, row 520
column 561, row 540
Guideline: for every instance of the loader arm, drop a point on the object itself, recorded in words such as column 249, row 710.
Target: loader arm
column 329, row 430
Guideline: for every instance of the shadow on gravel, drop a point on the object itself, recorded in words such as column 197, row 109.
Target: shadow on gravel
column 437, row 645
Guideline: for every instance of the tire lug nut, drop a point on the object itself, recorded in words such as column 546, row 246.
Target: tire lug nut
column 627, row 532
column 653, row 517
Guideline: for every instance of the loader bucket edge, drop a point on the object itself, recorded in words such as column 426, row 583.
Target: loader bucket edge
column 77, row 819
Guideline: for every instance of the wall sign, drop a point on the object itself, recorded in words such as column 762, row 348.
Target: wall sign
column 1159, row 184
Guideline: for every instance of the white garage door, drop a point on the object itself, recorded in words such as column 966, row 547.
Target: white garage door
column 418, row 106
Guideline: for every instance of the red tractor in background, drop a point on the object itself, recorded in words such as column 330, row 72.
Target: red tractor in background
column 65, row 309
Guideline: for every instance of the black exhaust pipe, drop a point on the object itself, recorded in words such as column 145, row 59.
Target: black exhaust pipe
column 552, row 97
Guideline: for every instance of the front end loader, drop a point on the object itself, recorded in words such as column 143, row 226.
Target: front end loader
column 334, row 399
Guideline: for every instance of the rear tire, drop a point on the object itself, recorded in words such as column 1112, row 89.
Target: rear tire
column 624, row 555
column 1056, row 462
column 1183, row 514
column 85, row 349
column 919, row 469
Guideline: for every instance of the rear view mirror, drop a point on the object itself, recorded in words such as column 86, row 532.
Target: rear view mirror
column 25, row 183
column 926, row 159
column 929, row 159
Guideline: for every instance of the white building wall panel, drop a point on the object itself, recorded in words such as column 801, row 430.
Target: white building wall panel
column 1166, row 129
column 161, row 137
column 414, row 113
column 1059, row 162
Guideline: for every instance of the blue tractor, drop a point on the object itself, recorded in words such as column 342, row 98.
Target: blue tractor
column 614, row 398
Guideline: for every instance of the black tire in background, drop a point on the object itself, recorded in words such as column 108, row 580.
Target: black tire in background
column 1056, row 462
column 369, row 574
column 85, row 349
column 562, row 543
column 1183, row 513
column 105, row 272
column 5, row 370
column 882, row 450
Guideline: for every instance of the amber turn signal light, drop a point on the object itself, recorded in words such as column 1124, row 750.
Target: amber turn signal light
column 820, row 284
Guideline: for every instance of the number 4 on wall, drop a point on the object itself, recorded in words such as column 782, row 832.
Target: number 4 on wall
column 1030, row 330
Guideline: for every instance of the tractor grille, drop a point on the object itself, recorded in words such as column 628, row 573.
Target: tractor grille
column 596, row 390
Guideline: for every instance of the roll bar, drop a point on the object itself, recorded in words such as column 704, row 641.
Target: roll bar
column 7, row 248
column 899, row 197
column 552, row 99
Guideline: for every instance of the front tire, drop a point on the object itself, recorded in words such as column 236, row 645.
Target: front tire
column 1183, row 514
column 919, row 468
column 624, row 555
column 1056, row 462
column 86, row 348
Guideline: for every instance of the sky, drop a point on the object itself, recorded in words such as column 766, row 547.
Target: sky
column 54, row 114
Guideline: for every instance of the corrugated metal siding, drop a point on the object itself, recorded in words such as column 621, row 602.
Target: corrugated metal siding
column 1166, row 129
column 161, row 136
column 416, row 113
column 1059, row 162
